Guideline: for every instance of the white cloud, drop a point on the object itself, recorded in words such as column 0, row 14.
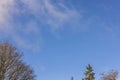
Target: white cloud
column 55, row 15
column 6, row 7
column 15, row 31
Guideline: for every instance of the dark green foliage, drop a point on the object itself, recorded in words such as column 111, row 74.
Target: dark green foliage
column 89, row 74
column 72, row 78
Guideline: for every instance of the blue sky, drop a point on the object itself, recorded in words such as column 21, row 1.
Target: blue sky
column 60, row 37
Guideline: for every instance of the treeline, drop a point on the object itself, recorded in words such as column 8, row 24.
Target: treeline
column 90, row 75
column 12, row 66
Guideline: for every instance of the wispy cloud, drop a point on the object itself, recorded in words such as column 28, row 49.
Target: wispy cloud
column 58, row 16
column 54, row 15
column 6, row 7
column 19, row 33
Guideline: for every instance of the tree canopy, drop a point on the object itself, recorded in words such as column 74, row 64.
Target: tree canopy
column 11, row 65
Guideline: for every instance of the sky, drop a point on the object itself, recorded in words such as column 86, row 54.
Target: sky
column 60, row 37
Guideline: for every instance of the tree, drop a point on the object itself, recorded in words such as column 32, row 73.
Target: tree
column 11, row 65
column 112, row 75
column 72, row 78
column 89, row 74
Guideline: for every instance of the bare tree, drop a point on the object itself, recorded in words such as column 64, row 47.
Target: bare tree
column 112, row 75
column 11, row 65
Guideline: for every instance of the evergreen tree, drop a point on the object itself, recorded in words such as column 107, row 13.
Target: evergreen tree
column 89, row 74
column 72, row 78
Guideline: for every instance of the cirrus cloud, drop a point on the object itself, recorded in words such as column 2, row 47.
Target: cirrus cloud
column 15, row 25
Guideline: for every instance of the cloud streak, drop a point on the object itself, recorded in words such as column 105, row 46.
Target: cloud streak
column 55, row 15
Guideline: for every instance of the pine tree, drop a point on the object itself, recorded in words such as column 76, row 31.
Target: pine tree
column 89, row 74
column 72, row 78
